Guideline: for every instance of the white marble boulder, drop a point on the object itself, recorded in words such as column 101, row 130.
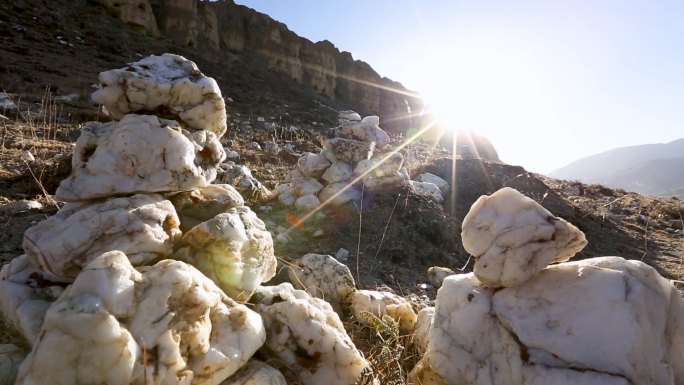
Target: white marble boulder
column 234, row 249
column 256, row 373
column 381, row 172
column 367, row 130
column 436, row 275
column 323, row 277
column 164, row 324
column 337, row 172
column 144, row 226
column 304, row 185
column 139, row 154
column 437, row 181
column 168, row 83
column 348, row 115
column 598, row 321
column 421, row 335
column 349, row 150
column 308, row 336
column 512, row 238
column 25, row 296
column 379, row 304
column 307, row 203
column 202, row 204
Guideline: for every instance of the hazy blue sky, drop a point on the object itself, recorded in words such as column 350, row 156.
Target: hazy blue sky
column 548, row 82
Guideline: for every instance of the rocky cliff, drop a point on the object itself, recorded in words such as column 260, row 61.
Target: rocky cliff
column 225, row 28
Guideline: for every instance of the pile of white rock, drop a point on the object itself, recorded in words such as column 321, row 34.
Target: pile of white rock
column 358, row 155
column 141, row 277
column 515, row 320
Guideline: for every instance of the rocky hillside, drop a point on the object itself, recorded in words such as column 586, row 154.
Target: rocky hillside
column 256, row 60
column 650, row 169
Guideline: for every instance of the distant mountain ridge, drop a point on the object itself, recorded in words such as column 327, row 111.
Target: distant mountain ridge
column 649, row 169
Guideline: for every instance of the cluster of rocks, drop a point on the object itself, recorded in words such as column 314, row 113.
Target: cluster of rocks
column 358, row 156
column 514, row 320
column 142, row 276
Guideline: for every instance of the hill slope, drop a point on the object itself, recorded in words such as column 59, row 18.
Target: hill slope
column 652, row 169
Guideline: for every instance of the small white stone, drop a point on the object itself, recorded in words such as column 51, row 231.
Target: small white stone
column 367, row 130
column 423, row 328
column 381, row 172
column 428, row 189
column 342, row 254
column 26, row 156
column 432, row 178
column 383, row 303
column 348, row 150
column 307, row 203
column 338, row 194
column 323, row 277
column 337, row 172
column 256, row 373
column 312, row 165
column 169, row 82
column 512, row 238
column 303, row 185
column 437, row 274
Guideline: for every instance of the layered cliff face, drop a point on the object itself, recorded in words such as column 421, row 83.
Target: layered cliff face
column 224, row 27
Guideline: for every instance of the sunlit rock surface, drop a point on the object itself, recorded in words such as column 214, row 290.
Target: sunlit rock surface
column 200, row 205
column 167, row 324
column 367, row 130
column 10, row 359
column 324, row 277
column 169, row 83
column 304, row 185
column 139, row 154
column 308, row 336
column 383, row 303
column 25, row 296
column 512, row 238
column 144, row 226
column 234, row 249
column 349, row 150
column 382, row 171
column 307, row 203
column 597, row 321
column 241, row 178
column 256, row 373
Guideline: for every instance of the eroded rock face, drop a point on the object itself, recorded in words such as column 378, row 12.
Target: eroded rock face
column 512, row 238
column 144, row 226
column 168, row 82
column 136, row 13
column 600, row 321
column 308, row 336
column 323, row 277
column 200, row 205
column 139, row 154
column 167, row 324
column 234, row 249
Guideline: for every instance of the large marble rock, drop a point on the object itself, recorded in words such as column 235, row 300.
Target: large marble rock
column 323, row 277
column 380, row 303
column 139, row 154
column 367, row 130
column 234, row 249
column 144, row 226
column 200, row 205
column 512, row 238
column 598, row 321
column 164, row 84
column 349, row 150
column 308, row 336
column 25, row 296
column 164, row 324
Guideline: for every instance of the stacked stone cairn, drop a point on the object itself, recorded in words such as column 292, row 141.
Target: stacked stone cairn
column 141, row 277
column 515, row 320
column 359, row 154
